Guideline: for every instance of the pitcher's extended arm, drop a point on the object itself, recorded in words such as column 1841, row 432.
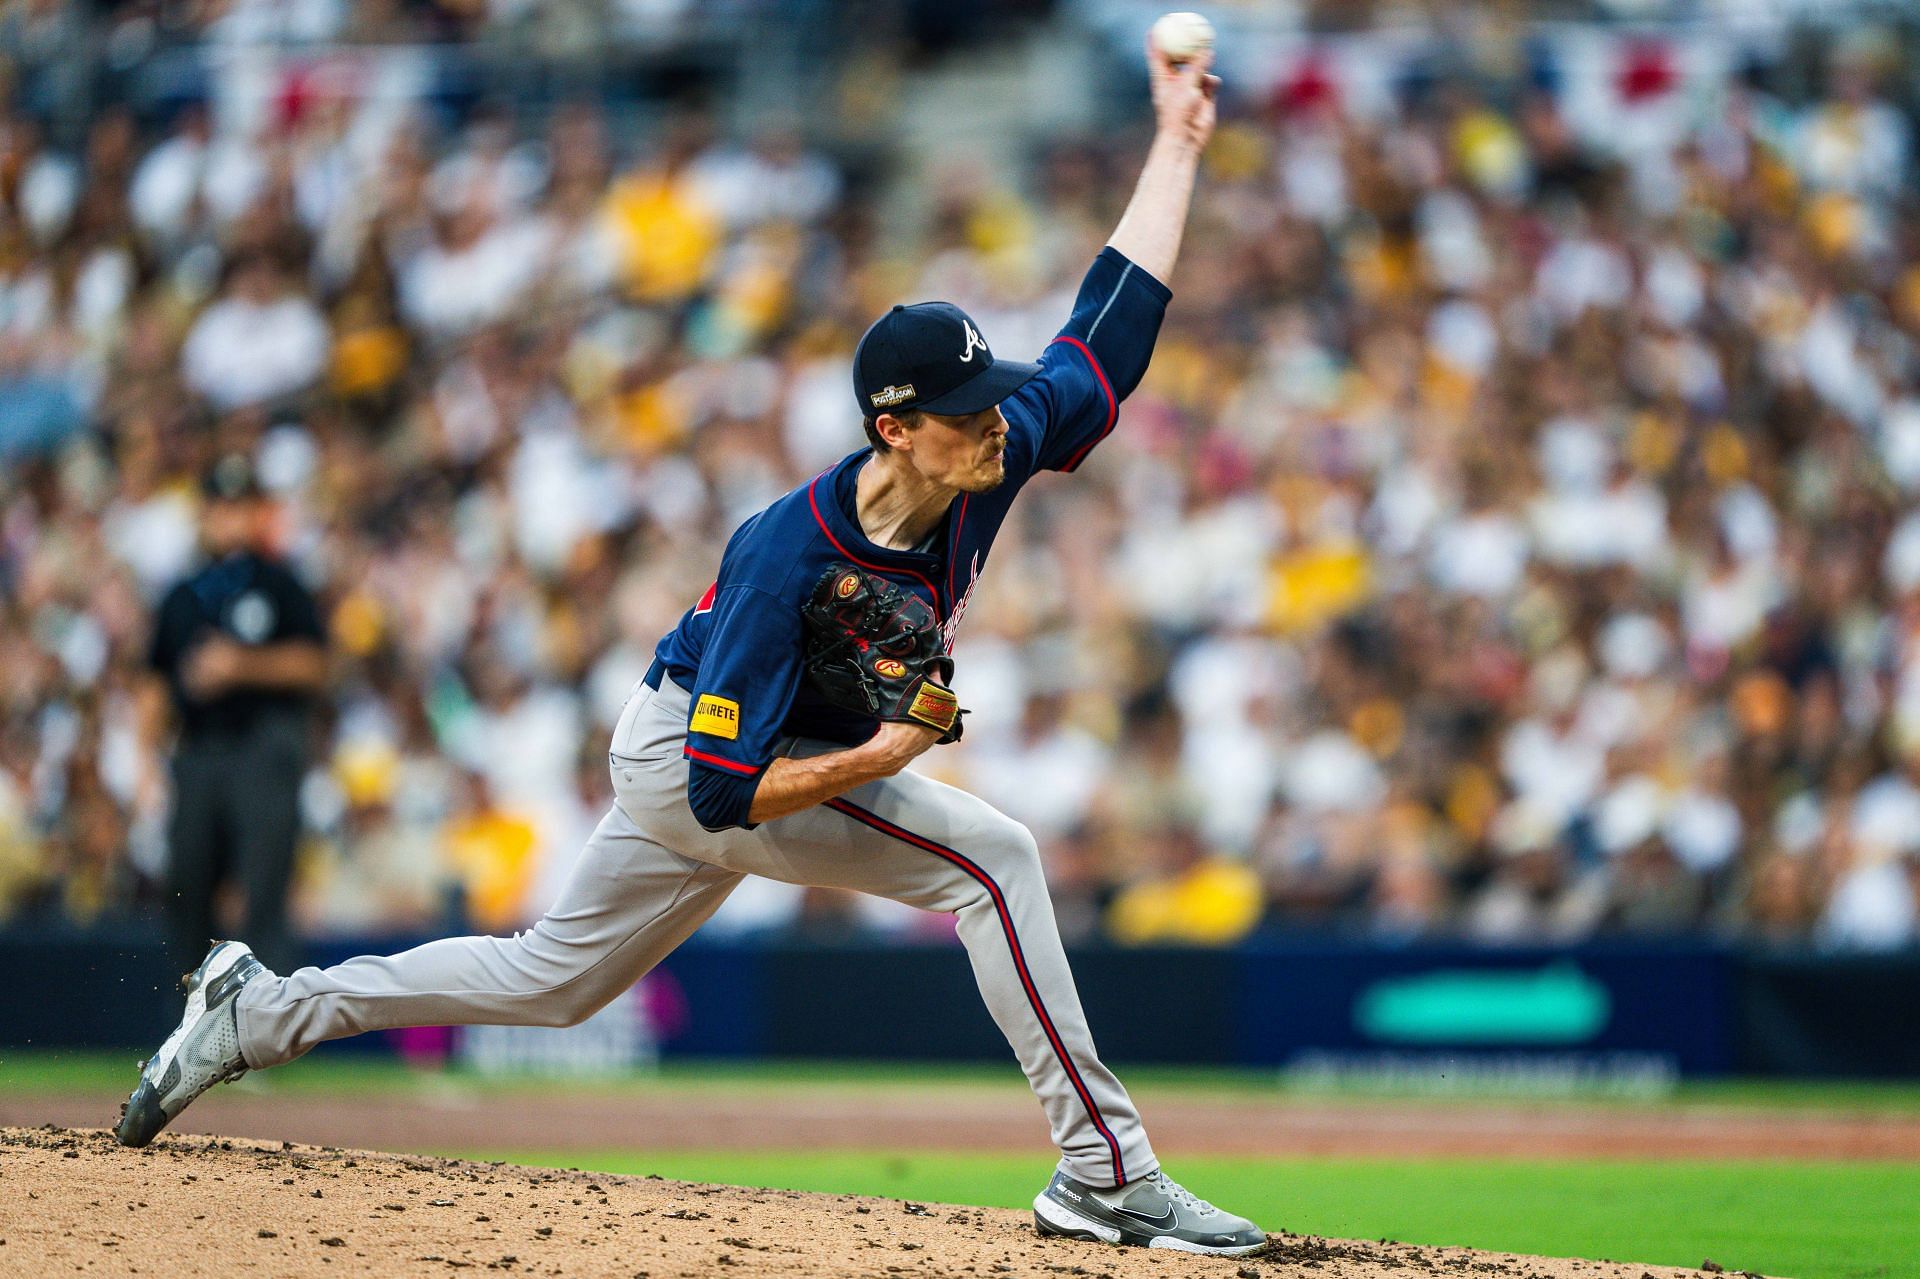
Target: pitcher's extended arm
column 1183, row 109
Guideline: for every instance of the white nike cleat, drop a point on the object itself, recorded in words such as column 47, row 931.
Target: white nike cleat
column 203, row 1050
column 1154, row 1211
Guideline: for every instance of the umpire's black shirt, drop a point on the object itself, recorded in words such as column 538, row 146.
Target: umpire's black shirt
column 253, row 601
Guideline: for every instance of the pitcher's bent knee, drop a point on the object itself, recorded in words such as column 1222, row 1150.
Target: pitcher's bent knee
column 573, row 1003
column 1007, row 850
column 564, row 985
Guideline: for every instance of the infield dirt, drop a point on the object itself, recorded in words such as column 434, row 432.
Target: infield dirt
column 73, row 1201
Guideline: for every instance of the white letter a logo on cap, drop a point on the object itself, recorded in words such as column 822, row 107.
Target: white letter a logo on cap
column 973, row 344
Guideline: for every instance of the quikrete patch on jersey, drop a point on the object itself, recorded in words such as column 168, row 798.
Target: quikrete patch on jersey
column 716, row 717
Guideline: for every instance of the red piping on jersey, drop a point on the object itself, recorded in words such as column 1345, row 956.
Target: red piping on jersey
column 821, row 521
column 1113, row 404
column 953, row 552
column 732, row 766
column 985, row 880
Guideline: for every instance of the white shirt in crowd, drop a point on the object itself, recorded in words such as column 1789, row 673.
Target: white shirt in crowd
column 241, row 352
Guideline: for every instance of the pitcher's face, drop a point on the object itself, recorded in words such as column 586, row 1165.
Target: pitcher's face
column 964, row 453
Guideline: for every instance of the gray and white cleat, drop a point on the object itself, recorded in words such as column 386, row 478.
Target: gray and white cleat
column 203, row 1050
column 1154, row 1211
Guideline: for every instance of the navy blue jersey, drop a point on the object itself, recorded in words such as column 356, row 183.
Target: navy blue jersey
column 739, row 650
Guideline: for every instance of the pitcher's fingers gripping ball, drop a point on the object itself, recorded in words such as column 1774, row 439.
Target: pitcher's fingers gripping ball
column 1179, row 72
column 1182, row 37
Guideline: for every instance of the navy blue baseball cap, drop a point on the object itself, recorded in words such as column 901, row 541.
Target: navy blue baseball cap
column 930, row 356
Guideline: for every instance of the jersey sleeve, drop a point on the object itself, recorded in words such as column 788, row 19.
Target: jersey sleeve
column 749, row 670
column 1095, row 362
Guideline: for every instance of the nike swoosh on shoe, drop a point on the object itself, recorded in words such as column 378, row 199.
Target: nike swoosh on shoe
column 1165, row 1221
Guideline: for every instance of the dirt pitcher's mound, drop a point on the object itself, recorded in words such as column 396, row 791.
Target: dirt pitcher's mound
column 73, row 1201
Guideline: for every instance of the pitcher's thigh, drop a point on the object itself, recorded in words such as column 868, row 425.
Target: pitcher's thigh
column 624, row 880
column 906, row 837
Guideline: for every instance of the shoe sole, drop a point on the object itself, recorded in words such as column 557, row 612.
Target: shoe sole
column 144, row 1114
column 1051, row 1217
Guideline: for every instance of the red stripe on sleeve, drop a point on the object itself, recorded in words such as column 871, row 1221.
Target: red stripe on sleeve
column 732, row 766
column 1113, row 404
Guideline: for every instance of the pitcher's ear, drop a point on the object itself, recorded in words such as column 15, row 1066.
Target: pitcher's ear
column 896, row 429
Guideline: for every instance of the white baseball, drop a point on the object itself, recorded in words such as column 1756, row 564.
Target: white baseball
column 1182, row 36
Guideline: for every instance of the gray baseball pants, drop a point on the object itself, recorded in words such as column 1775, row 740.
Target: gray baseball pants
column 651, row 875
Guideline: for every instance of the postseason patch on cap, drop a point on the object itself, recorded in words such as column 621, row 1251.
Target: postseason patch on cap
column 887, row 397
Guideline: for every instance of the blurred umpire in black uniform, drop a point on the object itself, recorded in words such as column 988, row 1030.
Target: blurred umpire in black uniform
column 241, row 652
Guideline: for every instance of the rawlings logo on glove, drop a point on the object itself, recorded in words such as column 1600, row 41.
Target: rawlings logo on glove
column 876, row 649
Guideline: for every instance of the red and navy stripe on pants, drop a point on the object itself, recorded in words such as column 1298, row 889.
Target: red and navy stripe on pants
column 985, row 880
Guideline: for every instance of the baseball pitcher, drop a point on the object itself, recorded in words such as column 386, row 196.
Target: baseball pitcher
column 772, row 733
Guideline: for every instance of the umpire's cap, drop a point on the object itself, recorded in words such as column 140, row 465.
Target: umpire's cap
column 930, row 356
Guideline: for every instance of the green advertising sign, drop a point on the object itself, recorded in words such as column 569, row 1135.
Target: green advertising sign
column 1558, row 1004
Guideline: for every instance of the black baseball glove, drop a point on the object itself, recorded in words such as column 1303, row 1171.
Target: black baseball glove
column 875, row 648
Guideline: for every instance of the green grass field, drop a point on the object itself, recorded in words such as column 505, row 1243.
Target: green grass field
column 1811, row 1220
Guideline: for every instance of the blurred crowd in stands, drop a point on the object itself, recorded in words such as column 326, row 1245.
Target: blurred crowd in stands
column 52, row 28
column 1513, row 540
